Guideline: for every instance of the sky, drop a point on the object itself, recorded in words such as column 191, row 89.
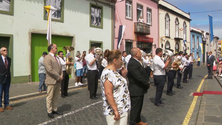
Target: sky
column 199, row 16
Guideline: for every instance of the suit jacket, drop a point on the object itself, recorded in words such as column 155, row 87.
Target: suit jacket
column 5, row 73
column 53, row 70
column 138, row 80
column 210, row 60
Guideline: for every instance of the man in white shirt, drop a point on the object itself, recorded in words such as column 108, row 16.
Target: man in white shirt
column 159, row 75
column 92, row 73
column 179, row 75
column 191, row 65
column 186, row 63
column 65, row 81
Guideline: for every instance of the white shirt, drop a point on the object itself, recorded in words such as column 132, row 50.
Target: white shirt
column 185, row 61
column 127, row 58
column 104, row 63
column 63, row 63
column 89, row 59
column 140, row 20
column 158, row 66
column 79, row 64
column 191, row 59
column 145, row 62
column 3, row 59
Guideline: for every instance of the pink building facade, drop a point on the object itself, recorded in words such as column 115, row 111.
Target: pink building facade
column 143, row 34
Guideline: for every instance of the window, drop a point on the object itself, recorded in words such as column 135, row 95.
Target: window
column 129, row 9
column 167, row 45
column 177, row 47
column 139, row 11
column 7, row 6
column 184, row 31
column 193, row 41
column 197, row 43
column 177, row 27
column 96, row 44
column 96, row 19
column 58, row 15
column 167, row 25
column 149, row 16
column 128, row 45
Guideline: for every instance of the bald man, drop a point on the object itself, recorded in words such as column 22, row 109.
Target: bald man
column 210, row 61
column 138, row 85
column 5, row 79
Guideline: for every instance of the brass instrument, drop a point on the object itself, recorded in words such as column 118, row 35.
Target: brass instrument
column 68, row 49
column 98, row 51
column 169, row 54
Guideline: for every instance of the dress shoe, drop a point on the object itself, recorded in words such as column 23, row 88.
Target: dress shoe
column 1, row 110
column 56, row 112
column 63, row 96
column 8, row 108
column 51, row 115
column 141, row 123
column 158, row 105
column 169, row 94
column 179, row 87
column 95, row 98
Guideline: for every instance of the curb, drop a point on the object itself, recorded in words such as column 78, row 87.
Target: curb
column 20, row 97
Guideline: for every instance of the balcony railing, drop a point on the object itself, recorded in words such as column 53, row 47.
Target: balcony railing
column 141, row 28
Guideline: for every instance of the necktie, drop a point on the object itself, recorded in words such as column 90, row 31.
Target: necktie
column 6, row 64
column 56, row 60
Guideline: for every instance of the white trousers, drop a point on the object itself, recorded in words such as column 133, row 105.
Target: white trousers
column 122, row 121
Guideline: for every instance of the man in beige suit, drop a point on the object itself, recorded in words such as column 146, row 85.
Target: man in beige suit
column 54, row 76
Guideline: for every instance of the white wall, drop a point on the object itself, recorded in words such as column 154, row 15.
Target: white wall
column 28, row 17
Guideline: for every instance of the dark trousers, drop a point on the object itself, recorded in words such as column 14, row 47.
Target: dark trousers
column 4, row 88
column 210, row 71
column 190, row 70
column 186, row 71
column 170, row 84
column 148, row 70
column 136, row 108
column 92, row 78
column 65, row 83
column 179, row 76
column 159, row 82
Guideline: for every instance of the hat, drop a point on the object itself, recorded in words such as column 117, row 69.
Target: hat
column 44, row 53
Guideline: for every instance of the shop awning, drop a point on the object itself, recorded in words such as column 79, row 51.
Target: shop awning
column 145, row 39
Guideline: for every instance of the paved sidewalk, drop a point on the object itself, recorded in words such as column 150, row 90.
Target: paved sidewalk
column 210, row 111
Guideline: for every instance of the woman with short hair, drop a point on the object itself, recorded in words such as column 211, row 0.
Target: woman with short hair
column 115, row 93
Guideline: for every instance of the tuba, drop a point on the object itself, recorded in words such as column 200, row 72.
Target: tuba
column 169, row 54
column 68, row 49
column 98, row 51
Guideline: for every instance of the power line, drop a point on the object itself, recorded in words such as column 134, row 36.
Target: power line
column 206, row 11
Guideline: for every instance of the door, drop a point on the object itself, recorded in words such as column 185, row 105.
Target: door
column 39, row 45
column 128, row 47
column 4, row 42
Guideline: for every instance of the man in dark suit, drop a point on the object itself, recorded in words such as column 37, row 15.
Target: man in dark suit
column 210, row 61
column 5, row 79
column 138, row 85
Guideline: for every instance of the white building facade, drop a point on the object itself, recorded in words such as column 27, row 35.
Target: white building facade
column 77, row 23
column 174, row 28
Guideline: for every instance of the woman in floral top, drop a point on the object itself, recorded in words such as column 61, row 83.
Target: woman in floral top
column 115, row 93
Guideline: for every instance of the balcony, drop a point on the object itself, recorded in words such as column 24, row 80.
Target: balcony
column 141, row 28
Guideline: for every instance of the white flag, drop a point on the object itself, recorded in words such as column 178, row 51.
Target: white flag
column 50, row 10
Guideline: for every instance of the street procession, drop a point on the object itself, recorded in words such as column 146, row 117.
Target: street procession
column 110, row 62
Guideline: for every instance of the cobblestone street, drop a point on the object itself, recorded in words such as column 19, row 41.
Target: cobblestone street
column 78, row 109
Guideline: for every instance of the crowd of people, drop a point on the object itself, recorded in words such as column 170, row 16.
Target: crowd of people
column 124, row 79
